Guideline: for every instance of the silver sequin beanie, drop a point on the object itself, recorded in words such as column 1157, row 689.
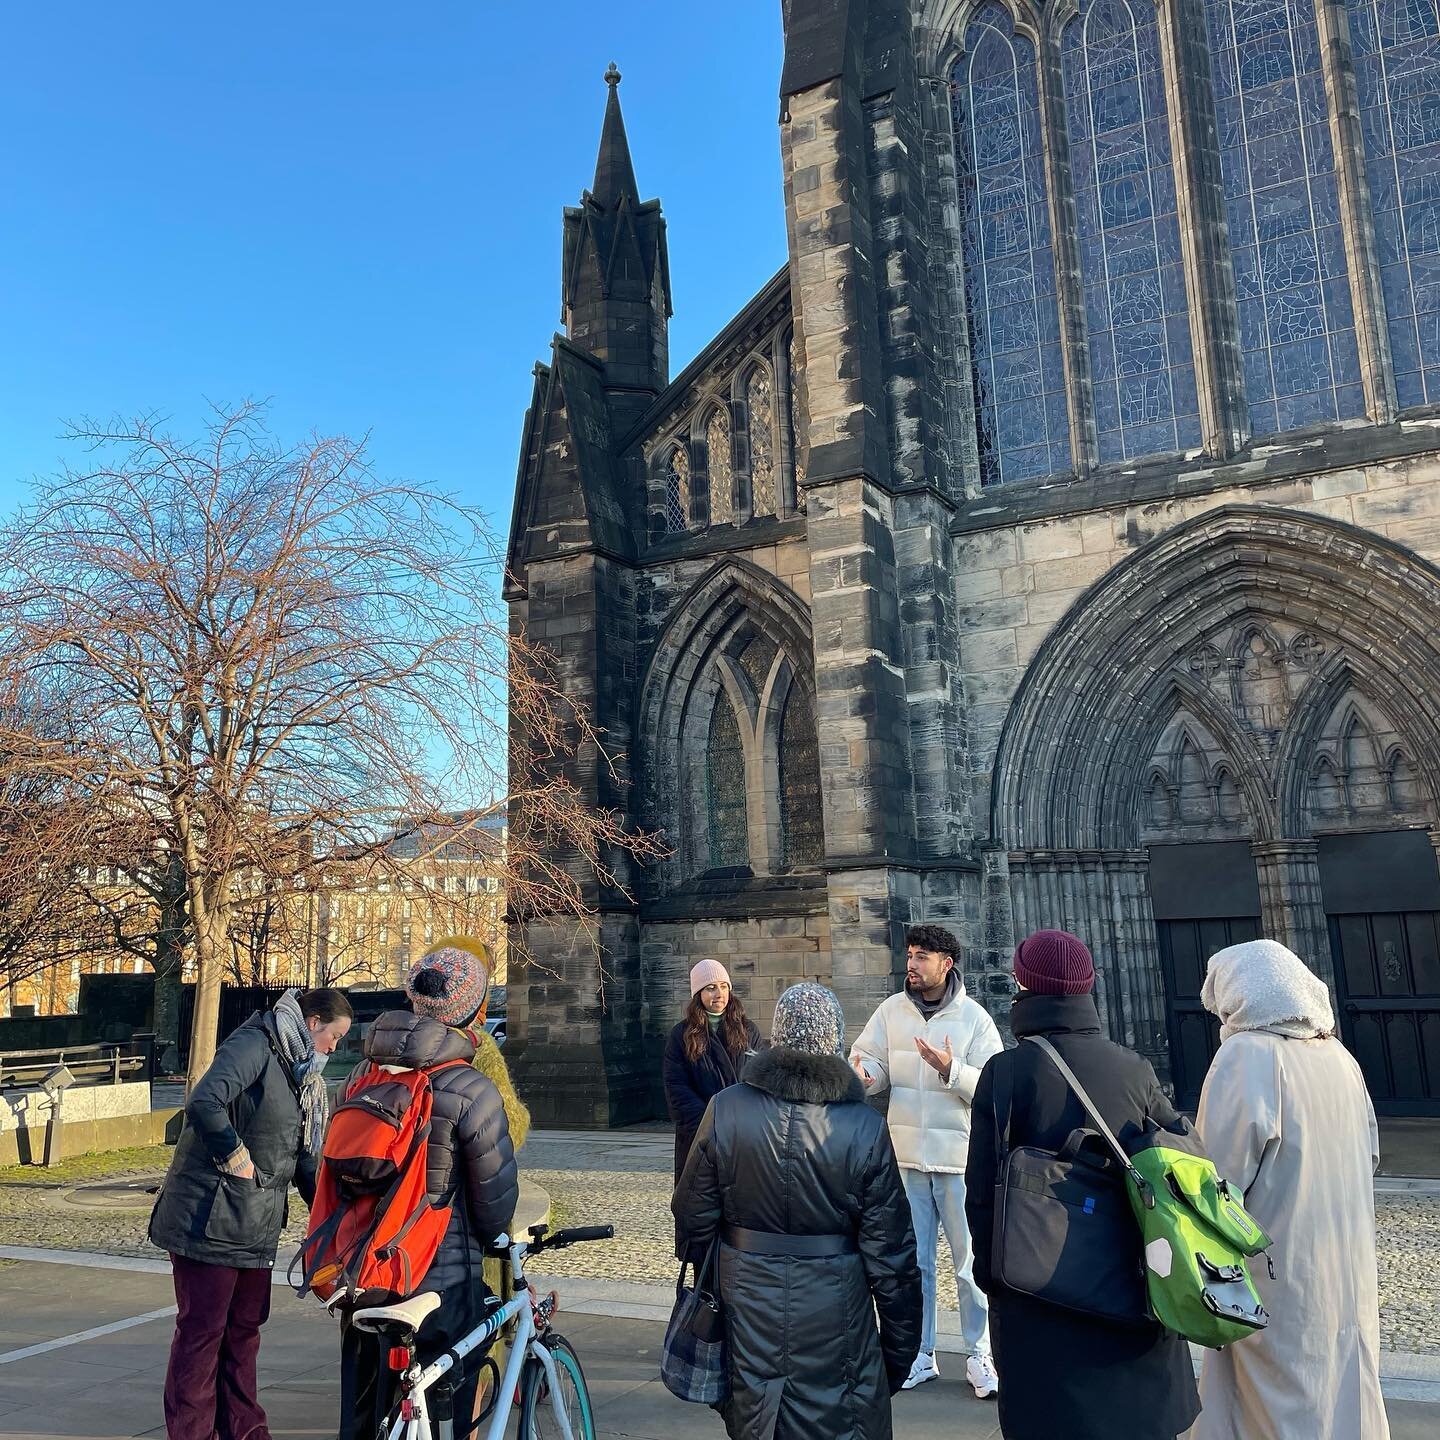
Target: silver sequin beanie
column 808, row 1017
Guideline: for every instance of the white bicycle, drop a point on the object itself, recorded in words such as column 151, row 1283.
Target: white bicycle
column 542, row 1364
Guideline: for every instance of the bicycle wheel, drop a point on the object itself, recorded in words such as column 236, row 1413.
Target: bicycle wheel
column 537, row 1414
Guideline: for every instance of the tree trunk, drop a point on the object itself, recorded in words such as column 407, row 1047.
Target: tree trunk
column 209, row 929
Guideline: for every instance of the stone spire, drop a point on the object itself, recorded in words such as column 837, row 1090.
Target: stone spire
column 616, row 288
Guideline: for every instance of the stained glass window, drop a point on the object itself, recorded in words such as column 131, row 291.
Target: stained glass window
column 1297, row 329
column 760, row 404
column 756, row 659
column 677, row 489
column 729, row 842
column 1396, row 47
column 1141, row 364
column 1020, row 407
column 802, row 840
column 717, row 443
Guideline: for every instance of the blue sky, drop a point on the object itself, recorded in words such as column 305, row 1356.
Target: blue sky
column 352, row 210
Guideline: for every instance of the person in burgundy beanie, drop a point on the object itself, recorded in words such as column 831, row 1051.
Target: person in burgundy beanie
column 1048, row 1358
column 1054, row 962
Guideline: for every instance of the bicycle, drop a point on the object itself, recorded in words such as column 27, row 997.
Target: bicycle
column 542, row 1364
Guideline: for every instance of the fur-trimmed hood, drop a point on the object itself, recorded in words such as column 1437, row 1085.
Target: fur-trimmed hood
column 805, row 1079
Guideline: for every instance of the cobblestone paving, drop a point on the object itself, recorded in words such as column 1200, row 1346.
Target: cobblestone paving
column 625, row 1180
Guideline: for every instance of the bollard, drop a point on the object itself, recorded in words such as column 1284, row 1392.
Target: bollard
column 55, row 1084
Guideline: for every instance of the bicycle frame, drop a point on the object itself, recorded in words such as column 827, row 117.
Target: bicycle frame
column 413, row 1422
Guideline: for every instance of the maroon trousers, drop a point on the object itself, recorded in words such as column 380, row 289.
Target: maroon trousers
column 210, row 1387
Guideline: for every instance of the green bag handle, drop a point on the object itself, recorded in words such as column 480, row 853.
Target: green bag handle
column 1136, row 1178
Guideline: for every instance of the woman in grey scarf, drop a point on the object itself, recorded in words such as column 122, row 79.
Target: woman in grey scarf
column 1285, row 1115
column 254, row 1123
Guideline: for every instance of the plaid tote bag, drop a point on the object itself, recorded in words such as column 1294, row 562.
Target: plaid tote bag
column 694, row 1363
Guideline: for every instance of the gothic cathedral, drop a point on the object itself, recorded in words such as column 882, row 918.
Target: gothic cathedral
column 1052, row 542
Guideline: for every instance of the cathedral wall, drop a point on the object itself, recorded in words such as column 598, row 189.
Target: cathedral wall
column 1015, row 582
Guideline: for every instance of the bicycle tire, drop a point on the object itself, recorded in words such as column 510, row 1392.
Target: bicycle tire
column 537, row 1419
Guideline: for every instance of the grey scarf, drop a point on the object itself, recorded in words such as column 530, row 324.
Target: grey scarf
column 297, row 1049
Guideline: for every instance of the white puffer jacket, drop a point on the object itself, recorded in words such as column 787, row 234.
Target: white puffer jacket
column 929, row 1117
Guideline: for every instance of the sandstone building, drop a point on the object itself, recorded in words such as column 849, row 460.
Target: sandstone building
column 1052, row 542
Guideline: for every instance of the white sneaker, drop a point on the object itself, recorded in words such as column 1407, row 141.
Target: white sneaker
column 922, row 1370
column 980, row 1372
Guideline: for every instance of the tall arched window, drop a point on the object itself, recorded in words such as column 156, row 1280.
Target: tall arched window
column 1396, row 48
column 729, row 842
column 1020, row 406
column 717, row 444
column 1297, row 331
column 802, row 839
column 760, row 408
column 677, row 488
column 1141, row 364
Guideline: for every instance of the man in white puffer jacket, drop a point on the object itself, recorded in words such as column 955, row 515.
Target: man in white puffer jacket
column 928, row 1044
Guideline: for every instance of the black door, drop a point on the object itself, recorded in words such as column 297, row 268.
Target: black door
column 1185, row 950
column 1388, row 971
column 1204, row 897
column 1382, row 901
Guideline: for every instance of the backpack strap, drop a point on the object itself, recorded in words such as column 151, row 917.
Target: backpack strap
column 1003, row 1099
column 1099, row 1120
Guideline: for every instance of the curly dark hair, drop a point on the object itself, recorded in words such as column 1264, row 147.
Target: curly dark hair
column 936, row 938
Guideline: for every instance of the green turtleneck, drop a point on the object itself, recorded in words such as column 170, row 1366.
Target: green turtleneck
column 712, row 1019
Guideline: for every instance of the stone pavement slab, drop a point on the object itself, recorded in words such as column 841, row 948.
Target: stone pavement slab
column 109, row 1387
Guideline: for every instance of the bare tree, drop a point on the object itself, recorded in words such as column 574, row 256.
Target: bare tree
column 252, row 637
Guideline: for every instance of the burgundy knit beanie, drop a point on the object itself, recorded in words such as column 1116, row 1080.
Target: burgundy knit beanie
column 1054, row 962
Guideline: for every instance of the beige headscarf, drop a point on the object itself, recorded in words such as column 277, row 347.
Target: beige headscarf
column 1261, row 985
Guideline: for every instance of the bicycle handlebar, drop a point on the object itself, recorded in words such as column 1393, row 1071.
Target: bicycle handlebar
column 576, row 1235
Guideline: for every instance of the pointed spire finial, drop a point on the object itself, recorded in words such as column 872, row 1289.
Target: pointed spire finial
column 614, row 173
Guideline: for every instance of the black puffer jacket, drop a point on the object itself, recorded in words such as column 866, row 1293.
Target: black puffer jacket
column 470, row 1154
column 1049, row 1359
column 794, row 1150
column 247, row 1097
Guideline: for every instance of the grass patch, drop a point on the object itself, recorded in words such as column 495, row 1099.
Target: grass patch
column 103, row 1165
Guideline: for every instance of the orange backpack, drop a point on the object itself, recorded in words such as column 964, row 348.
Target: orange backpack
column 374, row 1226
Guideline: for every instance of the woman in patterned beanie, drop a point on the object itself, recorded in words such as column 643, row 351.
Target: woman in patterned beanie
column 817, row 1256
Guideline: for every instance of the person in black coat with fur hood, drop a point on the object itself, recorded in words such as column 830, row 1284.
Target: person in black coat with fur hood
column 796, row 1176
column 1065, row 1374
column 468, row 1156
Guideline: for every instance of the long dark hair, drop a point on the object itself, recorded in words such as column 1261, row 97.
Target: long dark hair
column 732, row 1028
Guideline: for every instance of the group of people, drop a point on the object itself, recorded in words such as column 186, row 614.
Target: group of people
column 826, row 1215
column 822, row 1214
column 255, row 1123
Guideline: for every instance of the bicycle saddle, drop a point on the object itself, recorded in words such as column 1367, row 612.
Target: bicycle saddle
column 407, row 1314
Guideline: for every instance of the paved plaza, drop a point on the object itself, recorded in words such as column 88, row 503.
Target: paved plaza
column 85, row 1306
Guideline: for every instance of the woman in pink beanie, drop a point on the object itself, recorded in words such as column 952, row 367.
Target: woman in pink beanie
column 706, row 1052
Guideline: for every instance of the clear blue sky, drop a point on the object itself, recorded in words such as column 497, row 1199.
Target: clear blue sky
column 353, row 210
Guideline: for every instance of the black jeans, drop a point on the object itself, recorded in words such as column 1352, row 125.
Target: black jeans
column 367, row 1384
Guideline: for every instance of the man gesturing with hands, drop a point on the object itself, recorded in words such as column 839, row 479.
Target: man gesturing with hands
column 928, row 1044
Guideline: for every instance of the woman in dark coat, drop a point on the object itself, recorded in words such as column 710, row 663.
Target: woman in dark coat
column 254, row 1123
column 706, row 1052
column 796, row 1175
column 1062, row 1373
column 469, row 1156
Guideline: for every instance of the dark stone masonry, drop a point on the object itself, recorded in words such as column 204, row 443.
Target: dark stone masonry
column 1052, row 542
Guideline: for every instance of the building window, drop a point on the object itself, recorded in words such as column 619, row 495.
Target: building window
column 677, row 489
column 729, row 841
column 1396, row 50
column 1297, row 331
column 760, row 408
column 802, row 840
column 1021, row 414
column 717, row 444
column 1141, row 365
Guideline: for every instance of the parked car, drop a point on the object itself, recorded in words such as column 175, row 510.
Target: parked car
column 495, row 1024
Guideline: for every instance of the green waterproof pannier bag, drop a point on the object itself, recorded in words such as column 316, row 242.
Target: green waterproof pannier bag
column 1196, row 1232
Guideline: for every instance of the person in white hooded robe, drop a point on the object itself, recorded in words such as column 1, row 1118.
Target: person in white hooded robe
column 1285, row 1115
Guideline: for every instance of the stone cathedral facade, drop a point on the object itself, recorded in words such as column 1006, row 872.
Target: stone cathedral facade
column 1053, row 542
